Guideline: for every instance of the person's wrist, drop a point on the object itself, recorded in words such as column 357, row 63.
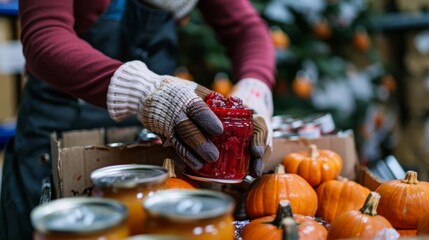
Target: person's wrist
column 129, row 86
column 255, row 95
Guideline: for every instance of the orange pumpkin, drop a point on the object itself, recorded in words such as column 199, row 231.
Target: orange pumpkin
column 266, row 192
column 270, row 227
column 172, row 181
column 315, row 165
column 404, row 202
column 361, row 224
column 423, row 227
column 339, row 196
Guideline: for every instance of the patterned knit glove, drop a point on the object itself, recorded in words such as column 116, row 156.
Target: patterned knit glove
column 168, row 106
column 257, row 96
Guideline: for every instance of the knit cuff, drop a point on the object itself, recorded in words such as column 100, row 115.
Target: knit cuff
column 163, row 106
column 131, row 84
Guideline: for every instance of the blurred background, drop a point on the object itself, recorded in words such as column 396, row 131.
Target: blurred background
column 366, row 62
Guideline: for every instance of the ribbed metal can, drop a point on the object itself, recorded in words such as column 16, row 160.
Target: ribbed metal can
column 80, row 218
column 191, row 214
column 129, row 184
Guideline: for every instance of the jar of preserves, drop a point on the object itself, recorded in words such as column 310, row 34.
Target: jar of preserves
column 233, row 144
column 80, row 218
column 191, row 214
column 129, row 184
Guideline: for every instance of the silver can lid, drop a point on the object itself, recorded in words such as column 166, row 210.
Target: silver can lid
column 188, row 205
column 128, row 175
column 285, row 123
column 78, row 215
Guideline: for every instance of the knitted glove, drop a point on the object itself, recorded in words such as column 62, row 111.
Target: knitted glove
column 257, row 96
column 167, row 106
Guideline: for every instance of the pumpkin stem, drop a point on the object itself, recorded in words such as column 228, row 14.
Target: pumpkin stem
column 290, row 231
column 283, row 210
column 312, row 151
column 410, row 178
column 169, row 165
column 371, row 204
column 280, row 169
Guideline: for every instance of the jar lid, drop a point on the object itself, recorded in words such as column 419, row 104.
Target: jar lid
column 78, row 215
column 188, row 205
column 128, row 175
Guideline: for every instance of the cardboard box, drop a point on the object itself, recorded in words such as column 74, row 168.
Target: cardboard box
column 414, row 6
column 78, row 153
column 342, row 143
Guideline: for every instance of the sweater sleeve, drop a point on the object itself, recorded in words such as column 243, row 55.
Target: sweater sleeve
column 245, row 36
column 55, row 54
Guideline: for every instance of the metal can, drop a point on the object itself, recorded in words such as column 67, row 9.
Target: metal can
column 325, row 122
column 309, row 130
column 192, row 214
column 285, row 125
column 129, row 184
column 80, row 218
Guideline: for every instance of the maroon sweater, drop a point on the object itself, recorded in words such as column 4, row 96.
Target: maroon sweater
column 56, row 54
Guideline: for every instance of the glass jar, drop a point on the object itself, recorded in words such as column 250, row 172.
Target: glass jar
column 233, row 145
column 191, row 214
column 80, row 218
column 129, row 184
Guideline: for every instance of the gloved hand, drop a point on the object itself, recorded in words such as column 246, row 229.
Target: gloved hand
column 170, row 107
column 257, row 96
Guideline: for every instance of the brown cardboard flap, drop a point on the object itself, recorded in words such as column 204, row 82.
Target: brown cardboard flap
column 94, row 137
column 368, row 179
column 342, row 144
column 72, row 166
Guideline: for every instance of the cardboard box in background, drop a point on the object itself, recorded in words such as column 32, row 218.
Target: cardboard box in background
column 78, row 153
column 8, row 104
column 343, row 144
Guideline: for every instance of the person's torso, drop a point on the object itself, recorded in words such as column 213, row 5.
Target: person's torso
column 86, row 13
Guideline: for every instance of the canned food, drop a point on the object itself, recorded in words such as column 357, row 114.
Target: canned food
column 325, row 122
column 80, row 218
column 309, row 130
column 129, row 184
column 192, row 214
column 284, row 124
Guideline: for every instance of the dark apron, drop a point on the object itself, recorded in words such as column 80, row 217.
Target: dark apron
column 140, row 33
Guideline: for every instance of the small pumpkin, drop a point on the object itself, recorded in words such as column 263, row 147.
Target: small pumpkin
column 404, row 202
column 338, row 196
column 315, row 165
column 423, row 227
column 361, row 224
column 173, row 182
column 266, row 192
column 270, row 227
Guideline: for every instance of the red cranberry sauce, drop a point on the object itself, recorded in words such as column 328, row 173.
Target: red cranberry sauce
column 234, row 143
